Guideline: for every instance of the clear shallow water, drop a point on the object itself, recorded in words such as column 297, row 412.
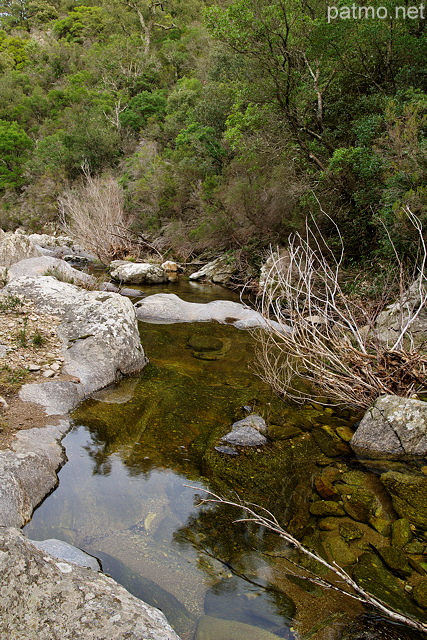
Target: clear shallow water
column 124, row 497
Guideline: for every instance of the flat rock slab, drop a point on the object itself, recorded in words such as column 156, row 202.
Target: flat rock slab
column 64, row 551
column 393, row 428
column 169, row 308
column 48, row 599
column 43, row 265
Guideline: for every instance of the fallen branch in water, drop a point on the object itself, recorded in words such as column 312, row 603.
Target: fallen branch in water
column 270, row 522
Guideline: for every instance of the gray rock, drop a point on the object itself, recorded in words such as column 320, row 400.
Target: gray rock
column 100, row 336
column 210, row 628
column 169, row 308
column 255, row 421
column 101, row 339
column 389, row 322
column 34, row 267
column 45, row 240
column 28, row 471
column 229, row 451
column 15, row 247
column 245, row 437
column 58, row 397
column 393, row 428
column 63, row 551
column 139, row 273
column 219, row 270
column 45, row 598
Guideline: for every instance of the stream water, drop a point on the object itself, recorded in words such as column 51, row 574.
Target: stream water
column 140, row 454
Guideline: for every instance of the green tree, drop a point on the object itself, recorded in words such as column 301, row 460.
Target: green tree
column 14, row 148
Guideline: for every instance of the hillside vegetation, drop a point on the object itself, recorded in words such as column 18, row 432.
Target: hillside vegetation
column 223, row 124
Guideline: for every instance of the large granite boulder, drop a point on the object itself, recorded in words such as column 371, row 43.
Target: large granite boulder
column 220, row 270
column 169, row 308
column 28, row 472
column 44, row 598
column 392, row 428
column 100, row 335
column 46, row 265
column 15, row 247
column 139, row 273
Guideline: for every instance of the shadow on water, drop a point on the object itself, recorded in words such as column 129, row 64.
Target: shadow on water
column 124, row 495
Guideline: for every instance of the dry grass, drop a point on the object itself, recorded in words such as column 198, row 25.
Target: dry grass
column 94, row 216
column 336, row 353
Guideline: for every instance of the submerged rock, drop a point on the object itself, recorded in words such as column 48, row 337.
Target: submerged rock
column 409, row 496
column 326, row 508
column 64, row 551
column 210, row 628
column 229, row 451
column 45, row 598
column 392, row 428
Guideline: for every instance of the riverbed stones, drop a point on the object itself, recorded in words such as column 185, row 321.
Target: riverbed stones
column 395, row 560
column 208, row 347
column 392, row 428
column 409, row 496
column 139, row 273
column 420, row 593
column 373, row 627
column 326, row 508
column 44, row 598
column 64, row 551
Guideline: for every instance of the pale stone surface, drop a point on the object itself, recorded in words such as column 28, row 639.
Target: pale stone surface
column 245, row 437
column 28, row 471
column 34, row 267
column 15, row 247
column 279, row 260
column 139, row 273
column 219, row 270
column 390, row 321
column 392, row 428
column 169, row 308
column 46, row 599
column 58, row 397
column 169, row 265
column 255, row 421
column 45, row 240
column 64, row 551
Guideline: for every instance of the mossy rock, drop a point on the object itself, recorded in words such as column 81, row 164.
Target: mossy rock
column 372, row 575
column 350, row 531
column 374, row 627
column 208, row 348
column 420, row 594
column 401, row 533
column 338, row 549
column 283, row 432
column 326, row 508
column 356, row 478
column 359, row 503
column 396, row 561
column 329, row 523
column 329, row 443
column 409, row 496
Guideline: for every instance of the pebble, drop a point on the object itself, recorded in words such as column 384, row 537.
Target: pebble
column 55, row 366
column 34, row 367
column 48, row 373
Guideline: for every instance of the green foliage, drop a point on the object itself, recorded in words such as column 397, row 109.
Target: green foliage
column 10, row 303
column 82, row 22
column 142, row 107
column 14, row 147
